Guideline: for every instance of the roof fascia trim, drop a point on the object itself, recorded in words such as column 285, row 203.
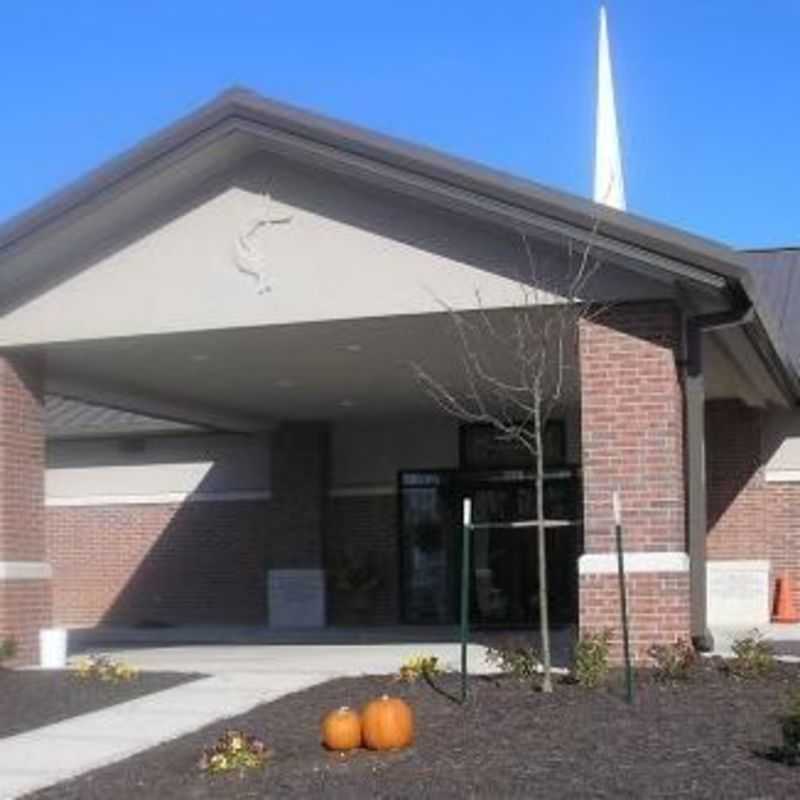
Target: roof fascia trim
column 82, row 199
column 453, row 183
column 470, row 201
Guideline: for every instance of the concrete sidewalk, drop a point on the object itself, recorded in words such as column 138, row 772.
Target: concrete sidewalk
column 241, row 677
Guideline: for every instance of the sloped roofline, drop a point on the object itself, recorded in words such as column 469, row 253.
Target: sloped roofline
column 465, row 184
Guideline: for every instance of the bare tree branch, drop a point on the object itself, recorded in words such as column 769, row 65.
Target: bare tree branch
column 516, row 365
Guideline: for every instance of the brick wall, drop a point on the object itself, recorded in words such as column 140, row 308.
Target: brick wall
column 198, row 563
column 734, row 481
column 195, row 562
column 177, row 564
column 748, row 518
column 24, row 604
column 21, row 461
column 364, row 530
column 658, row 607
column 783, row 522
column 632, row 441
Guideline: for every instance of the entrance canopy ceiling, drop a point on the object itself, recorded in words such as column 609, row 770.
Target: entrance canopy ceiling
column 248, row 379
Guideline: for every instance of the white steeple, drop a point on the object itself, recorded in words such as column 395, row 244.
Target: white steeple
column 609, row 183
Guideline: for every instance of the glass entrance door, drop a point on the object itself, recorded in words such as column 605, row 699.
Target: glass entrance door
column 429, row 550
column 503, row 558
column 504, row 576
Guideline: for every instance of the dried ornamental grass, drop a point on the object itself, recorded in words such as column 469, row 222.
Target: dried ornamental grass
column 104, row 668
column 234, row 750
column 419, row 666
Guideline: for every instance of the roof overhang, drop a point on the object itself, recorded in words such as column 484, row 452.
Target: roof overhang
column 717, row 273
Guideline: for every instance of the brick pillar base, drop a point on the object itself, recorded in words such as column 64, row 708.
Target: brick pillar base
column 632, row 442
column 658, row 609
column 25, row 587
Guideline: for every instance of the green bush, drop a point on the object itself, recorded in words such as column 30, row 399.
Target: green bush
column 789, row 752
column 672, row 662
column 521, row 662
column 8, row 648
column 752, row 656
column 591, row 659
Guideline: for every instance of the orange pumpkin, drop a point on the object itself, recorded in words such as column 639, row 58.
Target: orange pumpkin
column 387, row 724
column 341, row 729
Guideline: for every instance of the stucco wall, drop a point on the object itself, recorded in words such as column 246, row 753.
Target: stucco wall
column 370, row 453
column 365, row 455
column 166, row 468
column 346, row 251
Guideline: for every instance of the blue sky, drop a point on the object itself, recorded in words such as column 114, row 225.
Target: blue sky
column 708, row 91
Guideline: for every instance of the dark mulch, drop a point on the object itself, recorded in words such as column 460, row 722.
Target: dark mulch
column 786, row 648
column 695, row 740
column 32, row 698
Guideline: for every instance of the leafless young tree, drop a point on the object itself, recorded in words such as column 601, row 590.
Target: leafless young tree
column 514, row 371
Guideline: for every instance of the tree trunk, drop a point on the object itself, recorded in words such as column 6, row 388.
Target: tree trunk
column 544, row 615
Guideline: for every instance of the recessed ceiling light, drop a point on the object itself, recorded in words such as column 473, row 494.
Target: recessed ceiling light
column 353, row 348
column 284, row 383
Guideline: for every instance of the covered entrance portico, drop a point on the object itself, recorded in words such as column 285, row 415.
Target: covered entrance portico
column 264, row 279
column 363, row 493
column 340, row 437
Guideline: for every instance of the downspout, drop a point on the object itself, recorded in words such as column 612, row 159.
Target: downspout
column 740, row 313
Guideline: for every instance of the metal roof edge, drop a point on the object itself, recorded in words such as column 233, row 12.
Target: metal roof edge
column 661, row 246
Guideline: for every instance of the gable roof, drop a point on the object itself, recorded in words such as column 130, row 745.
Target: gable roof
column 777, row 276
column 460, row 185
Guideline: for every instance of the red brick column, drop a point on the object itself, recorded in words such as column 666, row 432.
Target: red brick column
column 632, row 441
column 25, row 602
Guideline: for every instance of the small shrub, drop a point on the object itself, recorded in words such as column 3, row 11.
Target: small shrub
column 520, row 661
column 790, row 729
column 234, row 750
column 106, row 669
column 591, row 659
column 673, row 662
column 419, row 666
column 789, row 752
column 753, row 656
column 8, row 648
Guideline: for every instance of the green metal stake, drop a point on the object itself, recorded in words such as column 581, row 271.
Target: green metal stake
column 465, row 553
column 623, row 599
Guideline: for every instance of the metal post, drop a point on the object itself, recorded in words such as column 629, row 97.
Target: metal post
column 465, row 555
column 623, row 600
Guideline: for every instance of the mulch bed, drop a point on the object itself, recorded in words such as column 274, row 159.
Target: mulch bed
column 697, row 740
column 786, row 648
column 32, row 698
